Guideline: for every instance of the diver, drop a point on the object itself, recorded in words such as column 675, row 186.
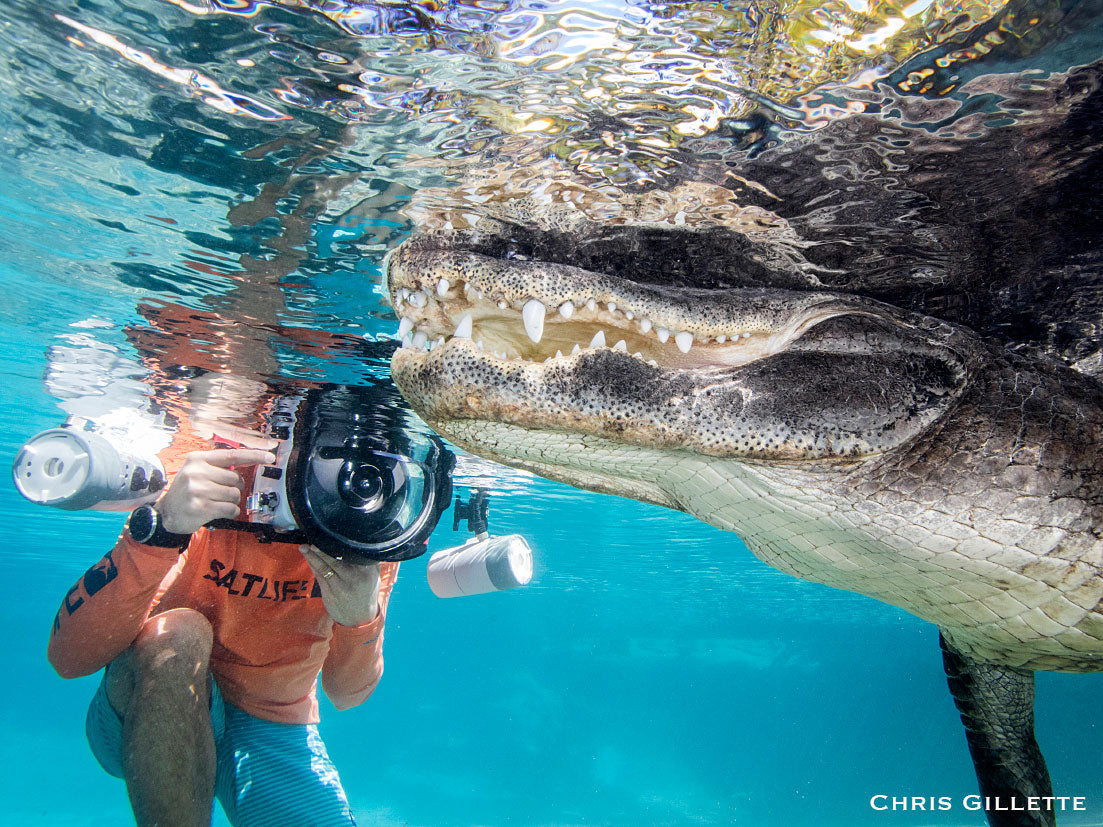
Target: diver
column 261, row 567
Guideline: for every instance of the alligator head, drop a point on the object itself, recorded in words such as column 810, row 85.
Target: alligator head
column 879, row 367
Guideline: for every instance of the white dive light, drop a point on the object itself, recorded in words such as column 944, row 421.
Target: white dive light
column 76, row 469
column 484, row 564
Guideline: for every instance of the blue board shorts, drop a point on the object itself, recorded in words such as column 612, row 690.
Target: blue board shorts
column 268, row 774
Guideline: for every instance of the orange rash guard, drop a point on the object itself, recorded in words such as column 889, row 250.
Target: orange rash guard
column 272, row 634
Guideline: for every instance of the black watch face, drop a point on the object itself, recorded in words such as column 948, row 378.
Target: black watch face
column 142, row 523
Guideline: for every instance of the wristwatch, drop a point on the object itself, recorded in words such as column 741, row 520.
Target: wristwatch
column 145, row 527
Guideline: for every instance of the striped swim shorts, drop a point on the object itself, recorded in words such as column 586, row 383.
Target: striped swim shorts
column 268, row 774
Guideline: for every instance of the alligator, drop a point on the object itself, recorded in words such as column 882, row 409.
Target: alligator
column 872, row 351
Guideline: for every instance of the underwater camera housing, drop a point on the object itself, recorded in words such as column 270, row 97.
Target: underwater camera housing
column 365, row 493
column 347, row 478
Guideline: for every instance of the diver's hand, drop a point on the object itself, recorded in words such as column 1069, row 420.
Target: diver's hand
column 350, row 591
column 206, row 488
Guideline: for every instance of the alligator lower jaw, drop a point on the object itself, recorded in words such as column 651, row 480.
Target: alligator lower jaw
column 457, row 380
column 598, row 393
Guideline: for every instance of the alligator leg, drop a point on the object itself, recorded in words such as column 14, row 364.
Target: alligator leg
column 997, row 707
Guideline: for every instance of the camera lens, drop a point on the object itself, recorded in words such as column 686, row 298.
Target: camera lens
column 360, row 484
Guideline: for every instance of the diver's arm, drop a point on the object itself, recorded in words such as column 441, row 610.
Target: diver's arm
column 354, row 664
column 103, row 611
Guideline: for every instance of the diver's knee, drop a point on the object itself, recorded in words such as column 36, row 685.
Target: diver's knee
column 171, row 653
column 176, row 641
column 183, row 629
column 169, row 656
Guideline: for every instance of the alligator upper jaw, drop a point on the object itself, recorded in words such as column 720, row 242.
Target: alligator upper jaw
column 545, row 312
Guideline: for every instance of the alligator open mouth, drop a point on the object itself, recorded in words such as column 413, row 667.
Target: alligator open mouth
column 545, row 311
column 740, row 369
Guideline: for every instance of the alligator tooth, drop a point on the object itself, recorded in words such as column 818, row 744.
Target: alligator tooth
column 502, row 305
column 405, row 326
column 419, row 338
column 645, row 325
column 438, row 342
column 576, row 349
column 591, row 305
column 628, row 314
column 721, row 338
column 407, row 341
column 638, row 355
column 559, row 354
column 442, row 287
column 684, row 340
column 566, row 310
column 747, row 335
column 612, row 307
column 479, row 344
column 478, row 294
column 402, row 294
column 621, row 345
column 468, row 290
column 419, row 299
column 663, row 334
column 598, row 340
column 533, row 315
column 653, row 363
column 463, row 329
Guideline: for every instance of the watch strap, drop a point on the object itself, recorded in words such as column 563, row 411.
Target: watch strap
column 145, row 527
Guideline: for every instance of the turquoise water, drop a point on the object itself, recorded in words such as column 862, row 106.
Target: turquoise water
column 653, row 673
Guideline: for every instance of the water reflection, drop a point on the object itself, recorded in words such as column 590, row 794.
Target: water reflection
column 437, row 80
